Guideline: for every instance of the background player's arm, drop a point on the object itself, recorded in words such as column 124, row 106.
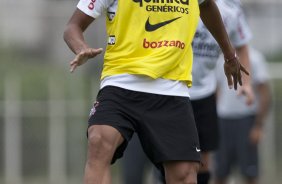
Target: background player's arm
column 264, row 102
column 246, row 89
column 211, row 17
column 264, row 96
column 243, row 54
column 74, row 38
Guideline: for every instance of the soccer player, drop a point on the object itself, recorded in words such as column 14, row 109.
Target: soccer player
column 202, row 93
column 241, row 125
column 145, row 80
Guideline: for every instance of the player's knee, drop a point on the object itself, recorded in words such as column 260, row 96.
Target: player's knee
column 191, row 182
column 183, row 173
column 190, row 177
column 186, row 179
column 94, row 140
column 99, row 145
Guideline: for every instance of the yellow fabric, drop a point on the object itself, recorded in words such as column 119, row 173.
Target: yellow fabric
column 163, row 52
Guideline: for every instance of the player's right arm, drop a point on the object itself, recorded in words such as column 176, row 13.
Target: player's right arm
column 74, row 38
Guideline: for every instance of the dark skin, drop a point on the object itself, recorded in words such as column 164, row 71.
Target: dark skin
column 73, row 36
column 79, row 22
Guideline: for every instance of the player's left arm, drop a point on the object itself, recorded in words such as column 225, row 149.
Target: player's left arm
column 246, row 89
column 264, row 102
column 211, row 17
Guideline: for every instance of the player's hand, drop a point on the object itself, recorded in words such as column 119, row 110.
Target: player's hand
column 247, row 91
column 256, row 134
column 232, row 70
column 83, row 56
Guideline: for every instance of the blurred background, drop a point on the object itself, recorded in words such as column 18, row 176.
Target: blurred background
column 44, row 108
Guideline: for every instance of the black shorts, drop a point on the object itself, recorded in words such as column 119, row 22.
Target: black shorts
column 206, row 122
column 164, row 124
column 235, row 148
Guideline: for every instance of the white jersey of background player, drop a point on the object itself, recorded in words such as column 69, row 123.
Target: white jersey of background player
column 206, row 50
column 202, row 94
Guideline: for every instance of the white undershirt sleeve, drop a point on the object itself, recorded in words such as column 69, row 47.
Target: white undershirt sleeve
column 94, row 8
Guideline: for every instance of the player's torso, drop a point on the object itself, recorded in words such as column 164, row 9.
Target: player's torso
column 151, row 37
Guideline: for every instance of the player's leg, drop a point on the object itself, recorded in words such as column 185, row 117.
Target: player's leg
column 207, row 125
column 247, row 151
column 181, row 172
column 204, row 175
column 108, row 135
column 107, row 177
column 103, row 141
column 134, row 162
column 225, row 156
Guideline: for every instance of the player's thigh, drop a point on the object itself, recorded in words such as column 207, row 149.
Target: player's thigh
column 108, row 125
column 105, row 137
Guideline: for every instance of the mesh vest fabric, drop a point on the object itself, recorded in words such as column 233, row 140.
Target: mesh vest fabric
column 152, row 38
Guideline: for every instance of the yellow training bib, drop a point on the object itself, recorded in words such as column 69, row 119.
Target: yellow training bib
column 152, row 38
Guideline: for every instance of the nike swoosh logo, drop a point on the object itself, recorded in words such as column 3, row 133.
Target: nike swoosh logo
column 152, row 27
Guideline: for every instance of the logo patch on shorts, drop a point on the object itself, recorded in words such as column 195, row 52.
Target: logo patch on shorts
column 93, row 109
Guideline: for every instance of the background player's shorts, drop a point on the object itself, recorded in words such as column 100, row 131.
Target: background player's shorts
column 235, row 148
column 206, row 122
column 165, row 124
